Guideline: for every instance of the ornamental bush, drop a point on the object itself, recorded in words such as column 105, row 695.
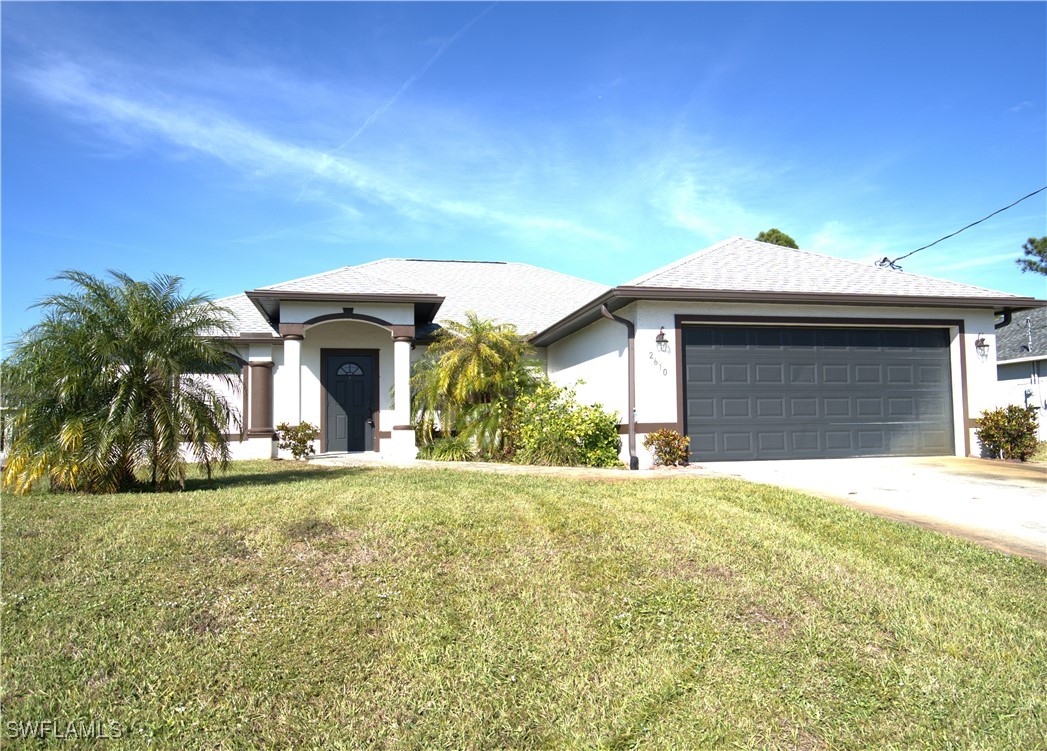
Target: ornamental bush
column 298, row 439
column 448, row 449
column 1008, row 432
column 552, row 428
column 668, row 446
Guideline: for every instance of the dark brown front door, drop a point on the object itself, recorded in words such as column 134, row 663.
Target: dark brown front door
column 349, row 401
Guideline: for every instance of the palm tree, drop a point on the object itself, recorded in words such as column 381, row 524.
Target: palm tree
column 469, row 378
column 115, row 381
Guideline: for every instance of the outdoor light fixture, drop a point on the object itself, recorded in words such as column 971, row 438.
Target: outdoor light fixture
column 981, row 345
column 661, row 341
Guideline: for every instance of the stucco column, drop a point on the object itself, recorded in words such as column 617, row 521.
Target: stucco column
column 401, row 381
column 290, row 404
column 402, row 440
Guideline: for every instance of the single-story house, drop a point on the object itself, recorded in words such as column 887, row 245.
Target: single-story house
column 1021, row 362
column 753, row 350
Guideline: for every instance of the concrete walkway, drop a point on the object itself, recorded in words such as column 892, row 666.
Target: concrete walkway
column 998, row 504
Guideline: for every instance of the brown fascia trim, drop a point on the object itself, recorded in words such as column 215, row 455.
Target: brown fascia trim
column 578, row 319
column 256, row 296
column 619, row 297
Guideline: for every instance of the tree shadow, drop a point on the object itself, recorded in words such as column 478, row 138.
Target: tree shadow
column 276, row 476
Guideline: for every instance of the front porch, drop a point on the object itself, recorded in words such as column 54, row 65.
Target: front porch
column 347, row 373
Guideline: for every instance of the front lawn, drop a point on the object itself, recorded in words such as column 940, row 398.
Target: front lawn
column 303, row 607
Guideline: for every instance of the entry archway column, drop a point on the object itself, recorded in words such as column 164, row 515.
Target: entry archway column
column 290, row 404
column 402, row 441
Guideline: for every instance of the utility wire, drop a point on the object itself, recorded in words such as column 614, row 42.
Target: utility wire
column 887, row 262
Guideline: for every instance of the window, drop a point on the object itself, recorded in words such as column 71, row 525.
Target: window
column 350, row 369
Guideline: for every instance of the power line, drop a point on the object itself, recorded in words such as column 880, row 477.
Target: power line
column 887, row 262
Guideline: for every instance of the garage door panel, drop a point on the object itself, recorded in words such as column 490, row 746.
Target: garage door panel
column 868, row 407
column 703, row 444
column 736, row 407
column 930, row 375
column 737, row 443
column 734, row 374
column 770, row 373
column 781, row 392
column 770, row 407
column 900, row 374
column 901, row 407
column 835, row 374
column 699, row 373
column 803, row 407
column 870, row 440
column 836, row 406
column 868, row 374
column 931, row 407
column 805, row 440
column 771, row 440
column 802, row 373
column 701, row 408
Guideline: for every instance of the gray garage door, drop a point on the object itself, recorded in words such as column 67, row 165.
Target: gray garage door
column 767, row 392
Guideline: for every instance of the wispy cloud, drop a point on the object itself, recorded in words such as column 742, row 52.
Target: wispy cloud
column 123, row 113
column 994, row 260
column 373, row 117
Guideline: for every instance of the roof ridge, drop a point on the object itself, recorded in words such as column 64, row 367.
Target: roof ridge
column 367, row 275
column 305, row 278
column 638, row 281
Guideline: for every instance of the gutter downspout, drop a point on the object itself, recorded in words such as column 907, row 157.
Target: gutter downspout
column 1006, row 320
column 630, row 330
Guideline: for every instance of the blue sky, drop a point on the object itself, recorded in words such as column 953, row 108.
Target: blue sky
column 243, row 144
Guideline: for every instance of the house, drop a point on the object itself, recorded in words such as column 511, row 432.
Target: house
column 753, row 350
column 1021, row 362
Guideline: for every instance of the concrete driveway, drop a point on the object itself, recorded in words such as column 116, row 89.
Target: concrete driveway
column 998, row 504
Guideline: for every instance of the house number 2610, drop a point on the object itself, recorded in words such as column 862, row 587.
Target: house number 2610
column 655, row 363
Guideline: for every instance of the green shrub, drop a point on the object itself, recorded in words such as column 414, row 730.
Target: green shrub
column 552, row 429
column 297, row 438
column 1008, row 432
column 452, row 449
column 668, row 446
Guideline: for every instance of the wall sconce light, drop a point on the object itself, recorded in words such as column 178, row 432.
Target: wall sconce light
column 981, row 345
column 661, row 341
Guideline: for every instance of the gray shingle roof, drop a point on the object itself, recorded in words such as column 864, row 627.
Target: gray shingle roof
column 246, row 318
column 529, row 297
column 1013, row 340
column 744, row 265
column 348, row 280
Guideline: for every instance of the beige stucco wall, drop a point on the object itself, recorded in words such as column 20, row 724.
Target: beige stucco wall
column 593, row 362
column 401, row 314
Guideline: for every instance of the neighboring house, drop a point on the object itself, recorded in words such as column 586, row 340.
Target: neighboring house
column 1021, row 362
column 753, row 350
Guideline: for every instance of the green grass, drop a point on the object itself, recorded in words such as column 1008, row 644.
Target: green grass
column 301, row 607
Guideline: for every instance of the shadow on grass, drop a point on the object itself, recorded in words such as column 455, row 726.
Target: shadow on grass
column 278, row 475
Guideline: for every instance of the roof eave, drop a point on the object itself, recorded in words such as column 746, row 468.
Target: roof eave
column 619, row 297
column 268, row 300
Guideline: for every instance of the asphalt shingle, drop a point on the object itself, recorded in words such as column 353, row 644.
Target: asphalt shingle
column 246, row 319
column 529, row 297
column 744, row 265
column 1024, row 336
column 348, row 280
